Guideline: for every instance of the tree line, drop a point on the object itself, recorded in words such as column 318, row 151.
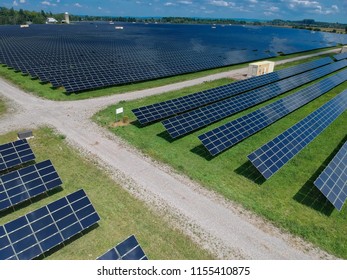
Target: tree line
column 11, row 16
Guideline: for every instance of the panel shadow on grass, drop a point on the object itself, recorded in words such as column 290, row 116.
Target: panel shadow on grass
column 166, row 136
column 248, row 171
column 202, row 152
column 310, row 196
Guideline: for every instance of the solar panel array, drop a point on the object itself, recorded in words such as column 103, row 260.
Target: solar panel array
column 193, row 120
column 161, row 110
column 128, row 249
column 227, row 135
column 272, row 156
column 37, row 232
column 15, row 153
column 341, row 56
column 26, row 183
column 87, row 56
column 332, row 182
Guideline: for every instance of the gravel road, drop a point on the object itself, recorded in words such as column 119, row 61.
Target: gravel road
column 220, row 226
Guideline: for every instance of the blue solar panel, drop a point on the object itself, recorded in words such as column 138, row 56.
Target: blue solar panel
column 332, row 182
column 272, row 156
column 340, row 56
column 15, row 153
column 39, row 231
column 28, row 182
column 227, row 135
column 193, row 120
column 161, row 110
column 128, row 249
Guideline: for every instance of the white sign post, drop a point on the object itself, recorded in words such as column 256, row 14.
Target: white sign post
column 119, row 111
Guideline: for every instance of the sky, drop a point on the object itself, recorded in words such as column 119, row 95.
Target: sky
column 320, row 10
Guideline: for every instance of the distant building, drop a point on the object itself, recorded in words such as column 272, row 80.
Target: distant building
column 67, row 18
column 51, row 21
column 344, row 49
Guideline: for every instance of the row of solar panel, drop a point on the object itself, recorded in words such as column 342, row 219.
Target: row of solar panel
column 332, row 182
column 269, row 158
column 162, row 110
column 185, row 123
column 37, row 232
column 128, row 249
column 340, row 56
column 15, row 153
column 227, row 135
column 74, row 59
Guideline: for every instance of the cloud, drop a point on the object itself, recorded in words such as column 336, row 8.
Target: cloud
column 22, row 1
column 313, row 7
column 167, row 4
column 15, row 3
column 221, row 3
column 47, row 3
column 99, row 8
column 185, row 2
column 78, row 5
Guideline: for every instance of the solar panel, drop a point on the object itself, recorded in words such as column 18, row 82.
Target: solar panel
column 272, row 156
column 183, row 124
column 15, row 153
column 332, row 182
column 128, row 249
column 161, row 110
column 340, row 56
column 28, row 182
column 227, row 135
column 41, row 230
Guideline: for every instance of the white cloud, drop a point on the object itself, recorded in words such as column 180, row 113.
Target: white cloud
column 313, row 7
column 253, row 1
column 167, row 4
column 78, row 5
column 22, row 1
column 327, row 11
column 185, row 2
column 273, row 9
column 220, row 3
column 99, row 8
column 15, row 3
column 47, row 3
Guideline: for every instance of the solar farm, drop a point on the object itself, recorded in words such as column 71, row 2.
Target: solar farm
column 275, row 143
column 251, row 130
column 273, row 155
column 47, row 212
column 85, row 57
column 34, row 234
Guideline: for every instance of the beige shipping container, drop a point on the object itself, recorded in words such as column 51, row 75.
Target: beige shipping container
column 260, row 68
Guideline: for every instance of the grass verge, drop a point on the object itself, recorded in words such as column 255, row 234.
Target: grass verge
column 289, row 199
column 121, row 215
column 34, row 86
column 3, row 108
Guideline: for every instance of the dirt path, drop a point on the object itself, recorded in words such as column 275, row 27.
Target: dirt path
column 222, row 227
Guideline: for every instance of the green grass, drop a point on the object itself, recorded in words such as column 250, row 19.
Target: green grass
column 34, row 86
column 288, row 199
column 3, row 108
column 121, row 214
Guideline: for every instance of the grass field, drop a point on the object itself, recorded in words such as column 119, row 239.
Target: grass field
column 288, row 199
column 34, row 86
column 2, row 107
column 121, row 215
